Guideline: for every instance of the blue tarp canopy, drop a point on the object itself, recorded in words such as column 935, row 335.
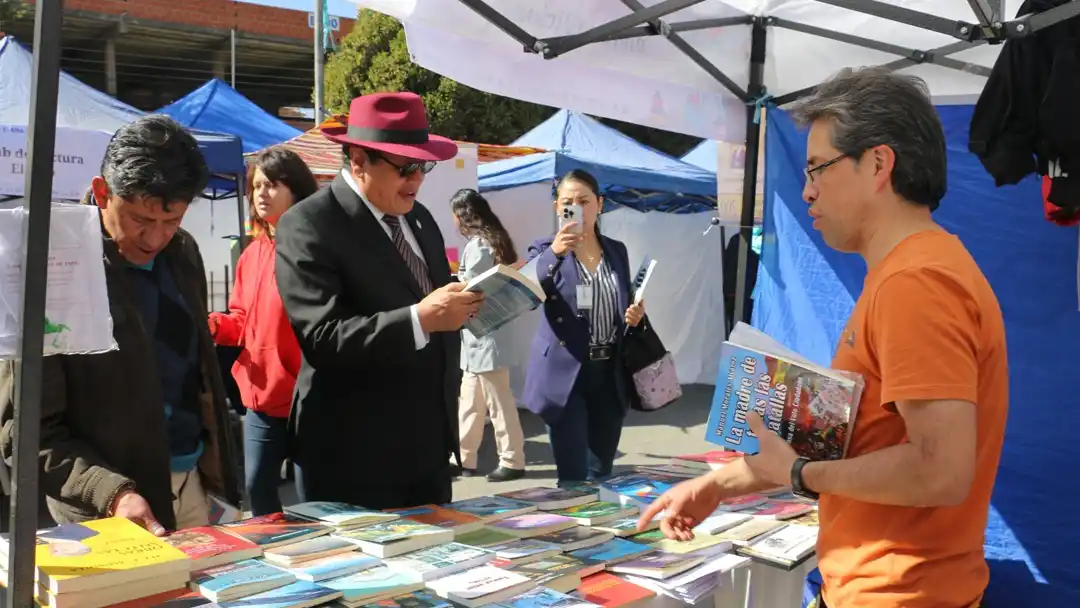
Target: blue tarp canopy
column 81, row 106
column 629, row 171
column 703, row 155
column 217, row 107
column 805, row 292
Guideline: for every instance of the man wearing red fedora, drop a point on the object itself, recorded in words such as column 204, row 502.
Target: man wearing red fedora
column 363, row 274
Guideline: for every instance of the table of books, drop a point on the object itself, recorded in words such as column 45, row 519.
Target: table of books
column 534, row 548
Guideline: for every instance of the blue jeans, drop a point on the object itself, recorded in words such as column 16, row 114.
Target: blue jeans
column 265, row 448
column 585, row 440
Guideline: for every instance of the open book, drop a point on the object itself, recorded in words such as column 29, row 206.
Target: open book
column 811, row 407
column 508, row 294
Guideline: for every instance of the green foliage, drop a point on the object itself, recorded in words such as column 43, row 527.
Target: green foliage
column 11, row 10
column 373, row 58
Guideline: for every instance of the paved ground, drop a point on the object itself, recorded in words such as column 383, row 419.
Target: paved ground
column 647, row 438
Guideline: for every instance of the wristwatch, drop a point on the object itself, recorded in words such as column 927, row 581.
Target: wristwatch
column 798, row 488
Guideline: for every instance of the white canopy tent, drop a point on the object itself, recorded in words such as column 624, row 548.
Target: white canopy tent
column 704, row 67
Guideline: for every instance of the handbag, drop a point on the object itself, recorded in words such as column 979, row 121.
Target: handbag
column 651, row 367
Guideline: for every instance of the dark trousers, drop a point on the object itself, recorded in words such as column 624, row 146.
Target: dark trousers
column 586, row 437
column 434, row 489
column 265, row 448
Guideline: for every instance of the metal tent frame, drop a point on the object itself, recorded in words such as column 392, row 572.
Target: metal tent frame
column 987, row 27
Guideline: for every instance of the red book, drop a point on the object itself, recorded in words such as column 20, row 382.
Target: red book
column 610, row 591
column 209, row 547
column 449, row 519
column 708, row 461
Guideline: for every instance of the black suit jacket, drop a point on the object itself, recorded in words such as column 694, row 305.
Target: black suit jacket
column 369, row 408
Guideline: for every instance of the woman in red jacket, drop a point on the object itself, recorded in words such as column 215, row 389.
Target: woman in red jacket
column 266, row 369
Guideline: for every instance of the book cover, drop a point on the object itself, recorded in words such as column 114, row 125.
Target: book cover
column 748, row 530
column 546, row 496
column 810, row 409
column 533, row 524
column 485, row 537
column 491, row 507
column 338, row 514
column 374, row 582
column 300, row 594
column 472, row 586
column 741, row 503
column 312, row 548
column 641, row 488
column 576, row 537
column 550, row 572
column 656, row 540
column 626, row 526
column 275, row 529
column 333, row 566
column 778, row 510
column 707, row 461
column 441, row 517
column 237, row 580
column 417, row 599
column 508, row 294
column 390, row 531
column 786, row 546
column 542, row 597
column 440, row 559
column 658, row 564
column 598, row 510
column 77, row 557
column 206, row 543
column 809, row 518
column 520, row 549
column 608, row 590
column 613, row 551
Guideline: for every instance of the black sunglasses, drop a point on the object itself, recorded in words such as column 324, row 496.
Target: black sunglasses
column 810, row 171
column 407, row 169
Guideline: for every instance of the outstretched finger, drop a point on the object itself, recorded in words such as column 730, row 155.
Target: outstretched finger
column 652, row 511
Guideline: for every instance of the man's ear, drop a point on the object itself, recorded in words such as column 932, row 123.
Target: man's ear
column 101, row 192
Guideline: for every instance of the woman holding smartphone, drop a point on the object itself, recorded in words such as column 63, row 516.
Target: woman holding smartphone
column 575, row 380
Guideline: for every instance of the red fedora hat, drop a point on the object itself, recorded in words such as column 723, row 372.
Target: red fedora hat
column 392, row 122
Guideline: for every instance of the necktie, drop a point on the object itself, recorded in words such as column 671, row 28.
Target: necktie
column 416, row 265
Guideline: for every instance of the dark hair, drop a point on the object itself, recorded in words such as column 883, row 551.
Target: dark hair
column 872, row 107
column 281, row 166
column 477, row 219
column 154, row 157
column 585, row 178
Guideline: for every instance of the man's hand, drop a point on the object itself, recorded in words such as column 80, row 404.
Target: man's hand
column 685, row 506
column 448, row 307
column 635, row 313
column 566, row 239
column 773, row 461
column 132, row 506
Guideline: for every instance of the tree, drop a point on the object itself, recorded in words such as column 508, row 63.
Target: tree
column 11, row 10
column 373, row 58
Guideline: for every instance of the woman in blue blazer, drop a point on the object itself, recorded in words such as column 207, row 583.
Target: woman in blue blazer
column 575, row 379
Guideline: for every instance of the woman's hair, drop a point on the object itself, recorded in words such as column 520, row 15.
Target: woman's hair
column 281, row 166
column 585, row 178
column 476, row 218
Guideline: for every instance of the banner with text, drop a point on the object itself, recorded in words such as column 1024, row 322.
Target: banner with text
column 76, row 159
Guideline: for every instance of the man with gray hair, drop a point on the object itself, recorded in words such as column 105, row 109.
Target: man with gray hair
column 903, row 516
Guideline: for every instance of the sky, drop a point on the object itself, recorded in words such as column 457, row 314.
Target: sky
column 340, row 8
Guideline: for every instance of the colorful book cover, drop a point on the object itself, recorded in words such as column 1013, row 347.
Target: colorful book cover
column 575, row 535
column 374, row 582
column 473, row 585
column 338, row 514
column 334, row 566
column 440, row 516
column 741, row 503
column 594, row 510
column 390, row 531
column 221, row 580
column 714, row 457
column 544, row 571
column 439, row 558
column 778, row 510
column 520, row 549
column 486, row 507
column 275, row 529
column 626, row 526
column 641, row 487
column 606, row 589
column 613, row 551
column 75, row 557
column 296, row 595
column 298, row 552
column 809, row 518
column 417, row 599
column 485, row 537
column 542, row 597
column 533, row 521
column 808, row 409
column 207, row 542
column 658, row 561
column 538, row 496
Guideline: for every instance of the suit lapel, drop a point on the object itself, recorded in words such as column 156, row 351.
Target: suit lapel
column 372, row 236
column 433, row 257
column 621, row 269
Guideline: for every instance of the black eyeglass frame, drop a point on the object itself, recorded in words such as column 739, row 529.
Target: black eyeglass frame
column 810, row 171
column 406, row 169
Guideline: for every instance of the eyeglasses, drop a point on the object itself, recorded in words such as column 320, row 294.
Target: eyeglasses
column 810, row 171
column 408, row 169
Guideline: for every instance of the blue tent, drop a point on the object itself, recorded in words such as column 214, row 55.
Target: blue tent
column 631, row 173
column 805, row 291
column 83, row 107
column 216, row 106
column 703, row 155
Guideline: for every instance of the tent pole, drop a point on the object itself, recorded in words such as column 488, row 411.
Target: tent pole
column 756, row 89
column 241, row 211
column 41, row 142
column 319, row 7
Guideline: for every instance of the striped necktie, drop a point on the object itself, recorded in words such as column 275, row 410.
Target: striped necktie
column 416, row 265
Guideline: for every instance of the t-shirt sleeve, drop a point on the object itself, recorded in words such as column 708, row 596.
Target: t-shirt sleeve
column 926, row 335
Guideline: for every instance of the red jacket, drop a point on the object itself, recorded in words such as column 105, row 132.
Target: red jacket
column 266, row 369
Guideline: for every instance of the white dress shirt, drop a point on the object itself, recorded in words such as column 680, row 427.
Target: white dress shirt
column 419, row 336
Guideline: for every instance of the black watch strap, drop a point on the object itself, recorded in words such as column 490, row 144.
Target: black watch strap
column 798, row 488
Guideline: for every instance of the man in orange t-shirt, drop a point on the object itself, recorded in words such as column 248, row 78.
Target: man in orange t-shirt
column 903, row 515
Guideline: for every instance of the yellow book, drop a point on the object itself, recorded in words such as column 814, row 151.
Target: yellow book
column 101, row 553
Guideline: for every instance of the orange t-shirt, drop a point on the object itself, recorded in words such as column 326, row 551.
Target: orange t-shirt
column 927, row 326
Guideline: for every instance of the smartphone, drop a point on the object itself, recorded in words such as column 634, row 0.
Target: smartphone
column 569, row 215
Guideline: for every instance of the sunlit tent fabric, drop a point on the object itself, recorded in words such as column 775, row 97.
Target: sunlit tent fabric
column 81, row 106
column 217, row 107
column 805, row 292
column 703, row 155
column 630, row 171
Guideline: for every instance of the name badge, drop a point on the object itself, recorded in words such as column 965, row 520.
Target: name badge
column 584, row 296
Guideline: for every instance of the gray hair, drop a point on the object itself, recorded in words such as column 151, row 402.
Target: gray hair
column 870, row 107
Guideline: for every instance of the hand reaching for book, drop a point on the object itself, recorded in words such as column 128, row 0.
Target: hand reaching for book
column 685, row 506
column 131, row 505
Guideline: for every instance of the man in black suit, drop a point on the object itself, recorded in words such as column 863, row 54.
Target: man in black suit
column 362, row 271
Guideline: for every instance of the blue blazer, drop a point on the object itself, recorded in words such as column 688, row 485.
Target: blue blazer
column 561, row 343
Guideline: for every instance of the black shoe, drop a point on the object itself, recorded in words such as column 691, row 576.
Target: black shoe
column 505, row 474
column 456, row 471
